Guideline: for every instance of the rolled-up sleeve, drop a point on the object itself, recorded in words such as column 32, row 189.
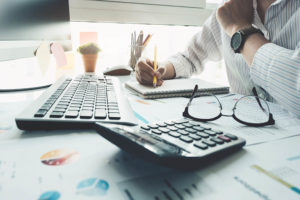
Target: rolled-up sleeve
column 277, row 70
column 205, row 45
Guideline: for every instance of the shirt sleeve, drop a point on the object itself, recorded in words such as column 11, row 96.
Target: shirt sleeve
column 277, row 70
column 205, row 45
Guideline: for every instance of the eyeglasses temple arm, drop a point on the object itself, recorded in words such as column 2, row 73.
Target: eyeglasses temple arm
column 257, row 99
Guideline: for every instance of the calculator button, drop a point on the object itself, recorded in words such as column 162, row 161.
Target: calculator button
column 204, row 135
column 153, row 126
column 180, row 126
column 201, row 145
column 145, row 128
column 180, row 121
column 209, row 143
column 210, row 132
column 186, row 139
column 183, row 132
column 164, row 130
column 198, row 128
column 161, row 124
column 233, row 137
column 191, row 130
column 188, row 125
column 217, row 140
column 218, row 132
column 224, row 138
column 172, row 128
column 174, row 134
column 206, row 127
column 195, row 137
column 194, row 123
column 156, row 131
column 169, row 123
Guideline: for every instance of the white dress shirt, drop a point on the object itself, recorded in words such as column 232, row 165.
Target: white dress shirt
column 275, row 70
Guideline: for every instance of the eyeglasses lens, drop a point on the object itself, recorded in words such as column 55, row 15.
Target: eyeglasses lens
column 205, row 108
column 249, row 110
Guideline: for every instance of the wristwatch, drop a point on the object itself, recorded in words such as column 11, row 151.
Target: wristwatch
column 238, row 39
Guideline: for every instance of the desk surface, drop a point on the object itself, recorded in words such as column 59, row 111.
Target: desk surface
column 82, row 165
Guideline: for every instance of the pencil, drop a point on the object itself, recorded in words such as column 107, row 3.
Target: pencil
column 155, row 67
column 146, row 41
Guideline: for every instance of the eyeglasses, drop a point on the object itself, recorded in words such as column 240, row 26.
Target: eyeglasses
column 249, row 110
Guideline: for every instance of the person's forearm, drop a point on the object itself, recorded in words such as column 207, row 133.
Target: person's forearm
column 252, row 44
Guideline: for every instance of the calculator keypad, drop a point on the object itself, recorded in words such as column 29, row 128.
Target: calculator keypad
column 189, row 133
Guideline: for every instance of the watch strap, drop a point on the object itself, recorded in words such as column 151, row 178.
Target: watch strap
column 246, row 32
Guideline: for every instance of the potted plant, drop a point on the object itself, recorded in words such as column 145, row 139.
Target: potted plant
column 89, row 54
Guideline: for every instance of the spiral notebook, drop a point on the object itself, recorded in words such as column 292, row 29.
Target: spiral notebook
column 176, row 88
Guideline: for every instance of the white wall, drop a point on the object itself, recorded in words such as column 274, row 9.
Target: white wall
column 172, row 12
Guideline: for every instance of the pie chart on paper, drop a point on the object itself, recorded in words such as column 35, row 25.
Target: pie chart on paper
column 92, row 187
column 60, row 157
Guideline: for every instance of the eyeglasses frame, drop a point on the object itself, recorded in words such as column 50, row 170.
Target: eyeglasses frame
column 270, row 121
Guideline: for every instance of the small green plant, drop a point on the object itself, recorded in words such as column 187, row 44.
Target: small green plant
column 89, row 48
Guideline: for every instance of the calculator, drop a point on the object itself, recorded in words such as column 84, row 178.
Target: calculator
column 181, row 143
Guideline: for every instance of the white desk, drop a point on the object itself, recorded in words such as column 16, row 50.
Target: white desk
column 99, row 170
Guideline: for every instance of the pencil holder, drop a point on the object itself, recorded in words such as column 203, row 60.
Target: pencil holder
column 136, row 52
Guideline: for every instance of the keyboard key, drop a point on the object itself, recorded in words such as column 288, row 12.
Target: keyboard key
column 233, row 137
column 200, row 145
column 56, row 114
column 217, row 140
column 186, row 139
column 73, row 109
column 195, row 137
column 174, row 134
column 100, row 114
column 59, row 110
column 86, row 114
column 209, row 143
column 224, row 138
column 40, row 113
column 114, row 116
column 71, row 114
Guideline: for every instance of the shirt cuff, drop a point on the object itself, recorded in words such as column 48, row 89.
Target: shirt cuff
column 181, row 66
column 261, row 69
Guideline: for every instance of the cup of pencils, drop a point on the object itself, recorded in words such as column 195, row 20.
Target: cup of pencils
column 137, row 47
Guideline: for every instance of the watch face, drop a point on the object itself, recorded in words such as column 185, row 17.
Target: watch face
column 236, row 41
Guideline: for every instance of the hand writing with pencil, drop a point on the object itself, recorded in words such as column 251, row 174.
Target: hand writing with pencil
column 145, row 72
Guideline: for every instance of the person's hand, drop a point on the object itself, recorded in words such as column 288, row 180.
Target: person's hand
column 235, row 15
column 145, row 73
